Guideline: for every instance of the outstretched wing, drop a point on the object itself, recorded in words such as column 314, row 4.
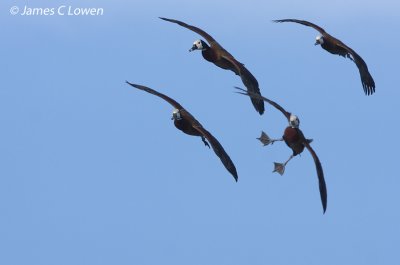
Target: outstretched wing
column 151, row 91
column 303, row 22
column 201, row 32
column 273, row 103
column 320, row 173
column 367, row 81
column 219, row 150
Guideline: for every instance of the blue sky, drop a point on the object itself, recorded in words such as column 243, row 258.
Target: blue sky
column 94, row 172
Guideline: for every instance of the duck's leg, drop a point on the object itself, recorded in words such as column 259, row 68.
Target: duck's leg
column 279, row 167
column 265, row 140
column 204, row 141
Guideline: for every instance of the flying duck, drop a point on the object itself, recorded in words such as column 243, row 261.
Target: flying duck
column 335, row 46
column 216, row 54
column 185, row 122
column 295, row 139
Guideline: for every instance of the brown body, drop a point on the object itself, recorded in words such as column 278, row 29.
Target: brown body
column 214, row 57
column 331, row 45
column 294, row 138
column 186, row 124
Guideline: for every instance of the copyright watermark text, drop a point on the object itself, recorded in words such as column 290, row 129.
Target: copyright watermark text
column 62, row 10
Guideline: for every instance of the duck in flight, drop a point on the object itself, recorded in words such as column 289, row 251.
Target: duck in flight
column 335, row 46
column 185, row 122
column 216, row 54
column 295, row 139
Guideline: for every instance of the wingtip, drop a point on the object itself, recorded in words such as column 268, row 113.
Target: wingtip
column 324, row 200
column 258, row 104
column 241, row 91
column 234, row 174
column 369, row 90
column 164, row 18
column 239, row 88
column 131, row 84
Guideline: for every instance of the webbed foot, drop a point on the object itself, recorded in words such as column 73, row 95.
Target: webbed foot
column 279, row 167
column 265, row 140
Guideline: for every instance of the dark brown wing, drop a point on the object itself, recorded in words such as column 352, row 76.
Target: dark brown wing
column 251, row 84
column 201, row 32
column 303, row 22
column 219, row 150
column 248, row 80
column 151, row 91
column 273, row 103
column 367, row 81
column 320, row 173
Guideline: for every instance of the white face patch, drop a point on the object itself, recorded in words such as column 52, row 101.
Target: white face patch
column 198, row 45
column 176, row 115
column 294, row 121
column 319, row 40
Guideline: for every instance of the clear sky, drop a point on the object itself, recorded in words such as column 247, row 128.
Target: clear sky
column 93, row 171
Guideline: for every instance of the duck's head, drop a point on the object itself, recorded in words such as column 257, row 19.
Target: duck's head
column 294, row 121
column 319, row 40
column 176, row 115
column 198, row 45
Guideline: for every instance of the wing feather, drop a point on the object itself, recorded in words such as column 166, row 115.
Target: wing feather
column 151, row 91
column 320, row 173
column 303, row 22
column 273, row 103
column 219, row 150
column 249, row 81
column 367, row 81
column 199, row 31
